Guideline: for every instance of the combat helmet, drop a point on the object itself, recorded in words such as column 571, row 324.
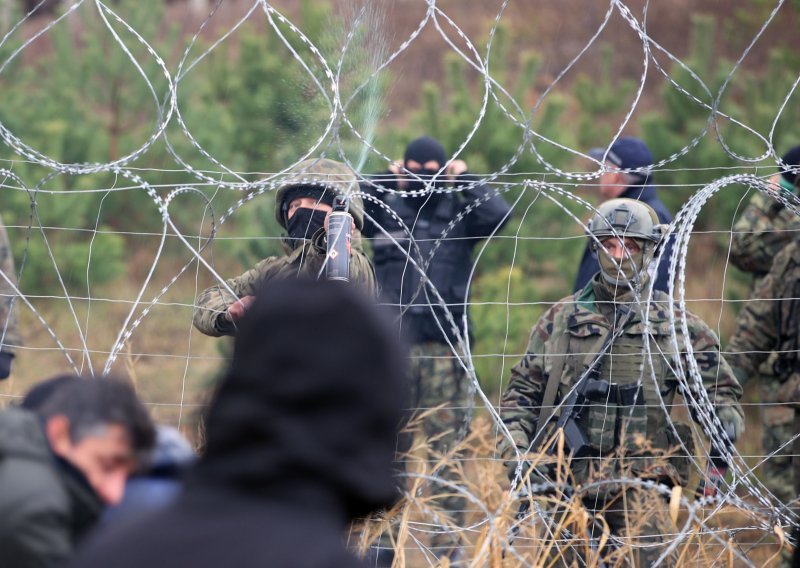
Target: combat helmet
column 323, row 179
column 626, row 218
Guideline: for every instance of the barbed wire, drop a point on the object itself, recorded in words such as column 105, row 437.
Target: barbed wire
column 327, row 74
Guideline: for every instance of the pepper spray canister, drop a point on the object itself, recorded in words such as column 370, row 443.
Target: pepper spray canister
column 340, row 225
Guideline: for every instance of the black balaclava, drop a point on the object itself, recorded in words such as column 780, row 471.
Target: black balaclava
column 305, row 222
column 424, row 150
column 310, row 408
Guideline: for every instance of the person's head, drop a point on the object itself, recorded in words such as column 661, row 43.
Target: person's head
column 424, row 157
column 312, row 401
column 41, row 392
column 100, row 427
column 790, row 170
column 305, row 198
column 626, row 153
column 627, row 233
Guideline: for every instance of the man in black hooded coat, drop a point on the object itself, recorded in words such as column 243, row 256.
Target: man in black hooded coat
column 446, row 224
column 301, row 438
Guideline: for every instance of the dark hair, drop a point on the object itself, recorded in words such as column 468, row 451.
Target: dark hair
column 89, row 403
column 41, row 392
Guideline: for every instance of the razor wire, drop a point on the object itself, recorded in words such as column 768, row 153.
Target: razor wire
column 326, row 74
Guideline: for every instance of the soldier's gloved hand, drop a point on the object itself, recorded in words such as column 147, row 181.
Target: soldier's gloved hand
column 5, row 364
column 732, row 422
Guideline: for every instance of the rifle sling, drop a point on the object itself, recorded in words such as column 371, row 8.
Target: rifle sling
column 551, row 390
column 548, row 407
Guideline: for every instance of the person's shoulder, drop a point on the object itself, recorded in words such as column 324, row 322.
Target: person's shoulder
column 557, row 315
column 30, row 485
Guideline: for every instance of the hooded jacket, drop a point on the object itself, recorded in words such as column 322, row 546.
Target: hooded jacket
column 301, row 438
column 46, row 505
column 589, row 265
column 464, row 218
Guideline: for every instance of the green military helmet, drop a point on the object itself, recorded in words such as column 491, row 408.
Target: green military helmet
column 626, row 218
column 320, row 178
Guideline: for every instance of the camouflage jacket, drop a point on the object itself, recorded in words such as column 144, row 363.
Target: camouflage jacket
column 211, row 305
column 9, row 302
column 763, row 230
column 567, row 338
column 770, row 320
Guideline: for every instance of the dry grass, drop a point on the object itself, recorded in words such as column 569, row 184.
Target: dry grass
column 557, row 533
column 174, row 367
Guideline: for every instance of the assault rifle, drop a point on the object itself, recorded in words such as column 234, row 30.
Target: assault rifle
column 590, row 387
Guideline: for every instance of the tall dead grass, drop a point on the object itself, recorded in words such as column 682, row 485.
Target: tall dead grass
column 563, row 524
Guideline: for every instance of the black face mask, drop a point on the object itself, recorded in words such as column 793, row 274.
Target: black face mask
column 426, row 176
column 303, row 224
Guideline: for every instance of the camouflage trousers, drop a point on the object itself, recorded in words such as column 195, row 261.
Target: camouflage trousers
column 777, row 472
column 440, row 392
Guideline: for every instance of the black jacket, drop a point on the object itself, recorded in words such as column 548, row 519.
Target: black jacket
column 589, row 264
column 46, row 505
column 450, row 267
column 301, row 438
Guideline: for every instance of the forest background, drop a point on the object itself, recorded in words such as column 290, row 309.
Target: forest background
column 74, row 96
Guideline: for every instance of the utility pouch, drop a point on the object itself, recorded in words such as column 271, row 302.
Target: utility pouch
column 632, row 415
column 601, row 416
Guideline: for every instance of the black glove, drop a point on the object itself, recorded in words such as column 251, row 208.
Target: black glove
column 5, row 364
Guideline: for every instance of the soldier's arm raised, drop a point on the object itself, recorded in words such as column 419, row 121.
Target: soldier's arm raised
column 490, row 214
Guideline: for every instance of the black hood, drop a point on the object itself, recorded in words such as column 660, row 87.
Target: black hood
column 311, row 405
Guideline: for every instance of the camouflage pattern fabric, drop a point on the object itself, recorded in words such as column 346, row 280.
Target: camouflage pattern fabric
column 306, row 260
column 9, row 303
column 769, row 323
column 765, row 228
column 638, row 436
column 440, row 391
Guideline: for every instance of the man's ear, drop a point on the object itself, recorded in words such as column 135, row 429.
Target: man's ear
column 57, row 432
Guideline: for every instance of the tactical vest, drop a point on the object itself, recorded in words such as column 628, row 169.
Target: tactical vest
column 448, row 271
column 632, row 416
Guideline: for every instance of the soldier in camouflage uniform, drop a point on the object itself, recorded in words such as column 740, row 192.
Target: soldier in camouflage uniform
column 9, row 310
column 627, row 422
column 769, row 324
column 765, row 228
column 302, row 204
